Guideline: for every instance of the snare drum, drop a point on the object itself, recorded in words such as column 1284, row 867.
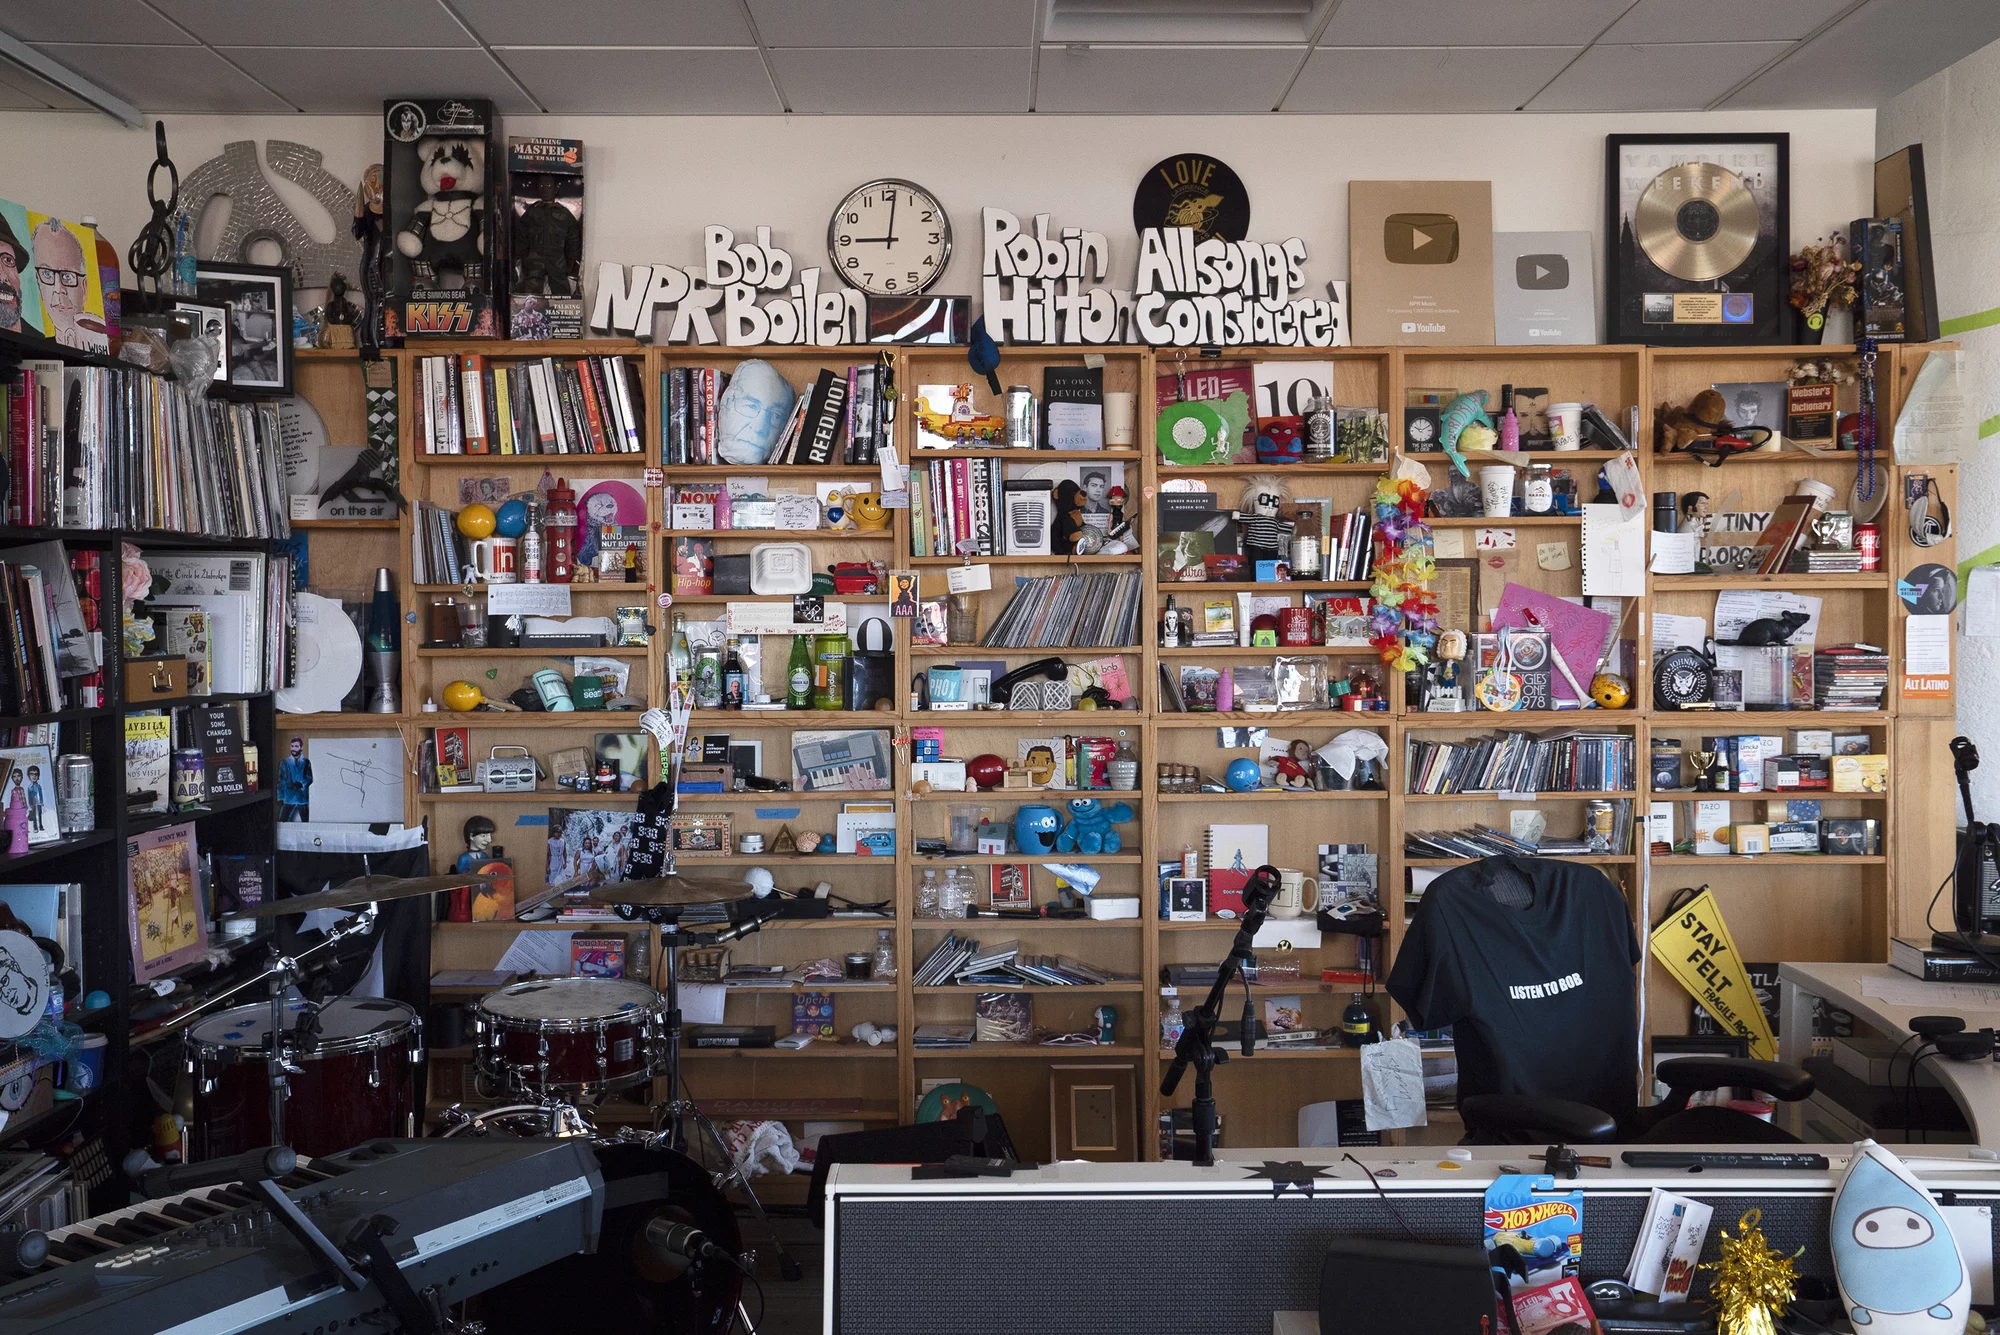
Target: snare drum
column 568, row 1036
column 357, row 1082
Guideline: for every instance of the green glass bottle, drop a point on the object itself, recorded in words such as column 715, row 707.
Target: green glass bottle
column 680, row 660
column 799, row 674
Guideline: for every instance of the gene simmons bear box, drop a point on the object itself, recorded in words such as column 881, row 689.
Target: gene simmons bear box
column 444, row 218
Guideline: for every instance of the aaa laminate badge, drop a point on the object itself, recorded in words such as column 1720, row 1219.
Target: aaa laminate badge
column 1193, row 190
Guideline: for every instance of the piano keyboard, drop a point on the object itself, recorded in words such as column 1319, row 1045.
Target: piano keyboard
column 135, row 1224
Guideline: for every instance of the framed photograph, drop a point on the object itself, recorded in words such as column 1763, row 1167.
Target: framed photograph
column 1698, row 238
column 259, row 301
column 211, row 325
column 30, row 793
column 1456, row 589
column 857, row 761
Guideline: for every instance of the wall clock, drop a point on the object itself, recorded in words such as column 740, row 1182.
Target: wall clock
column 889, row 238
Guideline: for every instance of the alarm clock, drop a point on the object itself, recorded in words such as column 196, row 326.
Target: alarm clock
column 889, row 238
column 1683, row 678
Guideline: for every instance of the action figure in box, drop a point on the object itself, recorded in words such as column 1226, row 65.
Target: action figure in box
column 447, row 266
column 545, row 188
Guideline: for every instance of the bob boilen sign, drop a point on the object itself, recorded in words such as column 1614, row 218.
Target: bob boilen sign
column 724, row 299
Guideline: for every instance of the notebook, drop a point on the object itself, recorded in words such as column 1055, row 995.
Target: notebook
column 1234, row 851
column 1614, row 552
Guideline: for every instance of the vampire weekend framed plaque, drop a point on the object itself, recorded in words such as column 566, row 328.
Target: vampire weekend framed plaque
column 1698, row 230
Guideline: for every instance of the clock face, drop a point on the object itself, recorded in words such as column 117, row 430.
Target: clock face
column 889, row 238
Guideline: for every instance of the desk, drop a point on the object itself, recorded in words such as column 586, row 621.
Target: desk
column 1974, row 1086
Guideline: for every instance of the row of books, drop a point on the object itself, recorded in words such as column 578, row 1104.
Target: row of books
column 962, row 960
column 1482, row 841
column 954, row 501
column 1349, row 546
column 1850, row 678
column 109, row 447
column 1094, row 611
column 844, row 418
column 50, row 646
column 439, row 553
column 1521, row 762
column 220, row 732
column 475, row 405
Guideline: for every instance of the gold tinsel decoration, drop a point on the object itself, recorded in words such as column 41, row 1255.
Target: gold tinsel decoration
column 1753, row 1284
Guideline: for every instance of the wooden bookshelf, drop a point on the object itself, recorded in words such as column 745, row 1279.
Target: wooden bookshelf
column 1778, row 907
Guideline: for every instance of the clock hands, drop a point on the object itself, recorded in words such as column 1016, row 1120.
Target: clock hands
column 890, row 239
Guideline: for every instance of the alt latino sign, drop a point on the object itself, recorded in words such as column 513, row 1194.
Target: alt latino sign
column 717, row 301
column 1218, row 293
column 1036, row 288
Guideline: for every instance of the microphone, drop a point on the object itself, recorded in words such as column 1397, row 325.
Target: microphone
column 686, row 1240
column 1263, row 887
column 22, row 1250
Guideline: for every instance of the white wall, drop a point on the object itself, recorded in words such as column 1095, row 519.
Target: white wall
column 654, row 182
column 1955, row 115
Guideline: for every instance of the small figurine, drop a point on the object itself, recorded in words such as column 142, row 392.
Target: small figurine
column 1446, row 693
column 367, row 229
column 1265, row 537
column 1295, row 767
column 479, row 831
column 337, row 327
column 1067, row 524
column 606, row 778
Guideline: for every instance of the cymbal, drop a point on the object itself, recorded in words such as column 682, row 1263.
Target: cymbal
column 662, row 891
column 355, row 893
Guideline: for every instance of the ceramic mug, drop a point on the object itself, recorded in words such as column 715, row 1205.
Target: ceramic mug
column 494, row 560
column 1290, row 901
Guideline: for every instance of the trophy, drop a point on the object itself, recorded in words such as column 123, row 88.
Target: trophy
column 1703, row 762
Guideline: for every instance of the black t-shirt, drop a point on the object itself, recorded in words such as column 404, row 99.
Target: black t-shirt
column 1540, row 999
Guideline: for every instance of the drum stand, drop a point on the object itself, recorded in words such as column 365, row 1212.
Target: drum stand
column 670, row 1119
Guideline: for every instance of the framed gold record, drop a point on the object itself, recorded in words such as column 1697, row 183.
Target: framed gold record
column 1697, row 221
column 1697, row 239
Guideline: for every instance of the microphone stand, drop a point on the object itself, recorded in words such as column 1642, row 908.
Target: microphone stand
column 1197, row 1042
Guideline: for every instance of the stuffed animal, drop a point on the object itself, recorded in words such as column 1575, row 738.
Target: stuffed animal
column 1265, row 537
column 1772, row 630
column 1280, row 440
column 1088, row 829
column 1462, row 412
column 1068, row 520
column 1679, row 428
column 447, row 231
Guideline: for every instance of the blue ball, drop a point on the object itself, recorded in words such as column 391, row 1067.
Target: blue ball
column 1243, row 775
column 511, row 519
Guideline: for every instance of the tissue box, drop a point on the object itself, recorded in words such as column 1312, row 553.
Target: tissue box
column 1126, row 906
column 1861, row 774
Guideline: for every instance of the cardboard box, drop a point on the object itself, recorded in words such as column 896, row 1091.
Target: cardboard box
column 1711, row 828
column 1750, row 838
column 1800, row 773
column 1849, row 837
column 1812, row 741
column 1791, row 810
column 1861, row 774
column 1795, row 837
column 1852, row 744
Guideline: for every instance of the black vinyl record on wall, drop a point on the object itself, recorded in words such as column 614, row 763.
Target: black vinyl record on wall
column 1193, row 190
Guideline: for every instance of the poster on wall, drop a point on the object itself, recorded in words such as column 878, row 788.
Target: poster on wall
column 1544, row 289
column 49, row 282
column 1698, row 236
column 1420, row 259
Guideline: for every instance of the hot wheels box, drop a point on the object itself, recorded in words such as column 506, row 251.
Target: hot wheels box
column 1533, row 1233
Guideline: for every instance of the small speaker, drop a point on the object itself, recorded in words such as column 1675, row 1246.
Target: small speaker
column 1377, row 1286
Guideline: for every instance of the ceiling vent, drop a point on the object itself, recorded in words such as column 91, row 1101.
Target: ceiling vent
column 1143, row 22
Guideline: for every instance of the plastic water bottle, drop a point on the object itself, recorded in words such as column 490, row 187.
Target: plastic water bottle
column 1171, row 1022
column 885, row 954
column 927, row 895
column 956, row 895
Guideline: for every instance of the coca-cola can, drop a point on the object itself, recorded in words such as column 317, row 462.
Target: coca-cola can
column 1868, row 541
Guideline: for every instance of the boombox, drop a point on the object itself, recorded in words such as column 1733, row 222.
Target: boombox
column 507, row 774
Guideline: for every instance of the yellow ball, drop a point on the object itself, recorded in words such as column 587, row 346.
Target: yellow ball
column 463, row 696
column 1610, row 690
column 476, row 521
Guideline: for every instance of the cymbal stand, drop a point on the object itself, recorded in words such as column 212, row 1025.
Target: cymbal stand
column 670, row 1119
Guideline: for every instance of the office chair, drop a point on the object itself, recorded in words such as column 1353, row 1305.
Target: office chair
column 1560, row 921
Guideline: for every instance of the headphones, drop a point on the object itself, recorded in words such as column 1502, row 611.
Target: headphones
column 1928, row 529
column 1948, row 1034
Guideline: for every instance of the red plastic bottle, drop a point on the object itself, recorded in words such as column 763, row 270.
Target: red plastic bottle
column 559, row 534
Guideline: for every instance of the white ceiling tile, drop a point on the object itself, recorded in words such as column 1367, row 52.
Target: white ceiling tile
column 13, row 98
column 1666, row 77
column 1373, row 79
column 879, row 23
column 1165, row 80
column 303, row 23
column 646, row 81
column 89, row 21
column 632, row 22
column 904, row 82
column 1470, row 22
column 331, row 81
column 1875, row 53
column 1712, row 20
column 168, row 78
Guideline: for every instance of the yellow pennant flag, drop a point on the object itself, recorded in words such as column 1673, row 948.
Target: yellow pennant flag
column 1694, row 946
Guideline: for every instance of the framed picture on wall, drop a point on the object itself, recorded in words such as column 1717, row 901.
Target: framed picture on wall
column 1698, row 235
column 259, row 301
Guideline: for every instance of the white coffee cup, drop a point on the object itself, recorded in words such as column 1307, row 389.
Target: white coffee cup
column 1496, row 487
column 1821, row 494
column 1118, row 409
column 493, row 559
column 1566, row 425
